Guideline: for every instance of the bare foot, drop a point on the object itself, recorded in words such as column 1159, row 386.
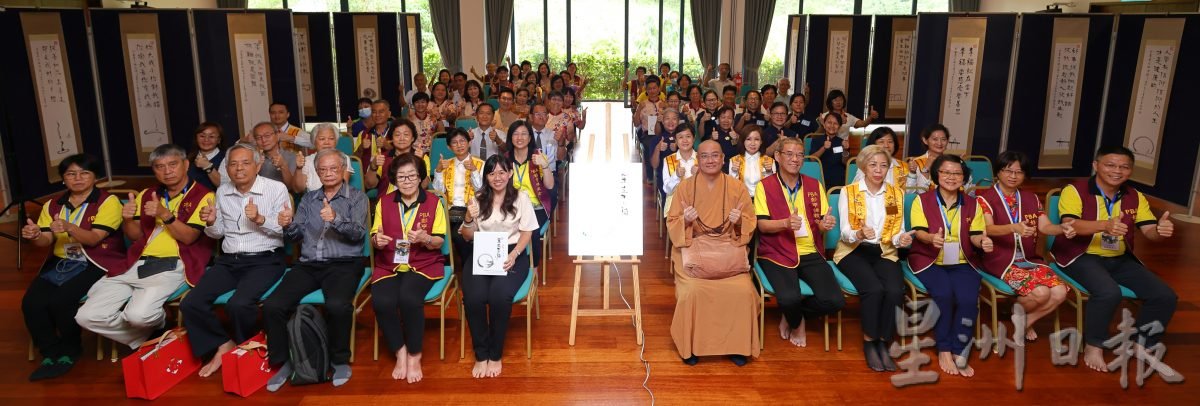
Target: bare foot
column 784, row 331
column 493, row 368
column 215, row 363
column 414, row 368
column 400, row 372
column 946, row 361
column 798, row 337
column 480, row 369
column 1094, row 358
column 964, row 369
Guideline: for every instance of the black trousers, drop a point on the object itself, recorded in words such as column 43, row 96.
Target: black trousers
column 489, row 303
column 1101, row 277
column 462, row 247
column 251, row 277
column 337, row 280
column 827, row 295
column 404, row 292
column 880, row 289
column 536, row 239
column 50, row 310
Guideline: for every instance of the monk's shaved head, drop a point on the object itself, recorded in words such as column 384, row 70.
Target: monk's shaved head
column 709, row 146
column 711, row 158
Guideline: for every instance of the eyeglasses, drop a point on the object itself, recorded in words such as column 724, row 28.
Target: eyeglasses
column 792, row 155
column 951, row 174
column 78, row 174
column 1011, row 172
column 329, row 169
column 406, row 178
column 705, row 157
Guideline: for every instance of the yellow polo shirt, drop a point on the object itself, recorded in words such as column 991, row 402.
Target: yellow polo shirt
column 804, row 245
column 1070, row 204
column 164, row 244
column 918, row 220
column 108, row 218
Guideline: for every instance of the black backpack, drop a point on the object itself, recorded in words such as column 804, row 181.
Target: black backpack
column 309, row 346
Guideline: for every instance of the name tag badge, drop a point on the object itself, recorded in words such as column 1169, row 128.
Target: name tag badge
column 401, row 255
column 803, row 230
column 837, row 150
column 892, row 210
column 1109, row 242
column 950, row 251
column 760, row 123
column 74, row 252
column 804, row 123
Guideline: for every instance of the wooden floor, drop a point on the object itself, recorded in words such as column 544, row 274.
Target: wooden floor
column 604, row 366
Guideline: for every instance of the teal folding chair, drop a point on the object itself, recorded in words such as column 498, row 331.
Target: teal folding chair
column 346, row 145
column 495, row 104
column 526, row 295
column 466, row 123
column 356, row 178
column 831, row 241
column 438, row 151
column 812, row 168
column 766, row 291
column 544, row 233
column 851, row 169
column 1080, row 293
column 981, row 172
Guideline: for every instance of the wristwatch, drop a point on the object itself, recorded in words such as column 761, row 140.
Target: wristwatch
column 170, row 220
column 210, row 168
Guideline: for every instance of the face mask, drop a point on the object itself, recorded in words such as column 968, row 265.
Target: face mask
column 364, row 112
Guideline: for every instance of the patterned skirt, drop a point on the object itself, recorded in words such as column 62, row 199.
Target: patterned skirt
column 1024, row 277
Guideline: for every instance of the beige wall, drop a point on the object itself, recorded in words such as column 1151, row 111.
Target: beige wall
column 1029, row 6
column 471, row 13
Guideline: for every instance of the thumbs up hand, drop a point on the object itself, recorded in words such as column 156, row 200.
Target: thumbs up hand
column 906, row 239
column 986, row 243
column 381, row 241
column 129, row 209
column 469, row 165
column 867, row 233
column 378, row 161
column 252, row 212
column 1116, row 227
column 285, row 215
column 735, row 216
column 30, row 231
column 150, row 207
column 327, row 213
column 938, row 240
column 472, row 208
column 1068, row 227
column 827, row 222
column 58, row 226
column 795, row 221
column 209, row 212
column 300, row 160
column 1023, row 229
column 443, row 164
column 1165, row 227
column 874, row 115
column 690, row 214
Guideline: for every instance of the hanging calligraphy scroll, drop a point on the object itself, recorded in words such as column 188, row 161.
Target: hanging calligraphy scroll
column 964, row 52
column 412, row 63
column 366, row 52
column 1068, row 52
column 304, row 57
column 1151, row 94
column 900, row 68
column 837, row 62
column 53, row 88
column 144, row 79
column 251, row 70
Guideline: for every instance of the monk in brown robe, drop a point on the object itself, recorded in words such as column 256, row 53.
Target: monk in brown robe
column 712, row 316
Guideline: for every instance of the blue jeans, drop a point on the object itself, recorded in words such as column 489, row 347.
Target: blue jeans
column 955, row 291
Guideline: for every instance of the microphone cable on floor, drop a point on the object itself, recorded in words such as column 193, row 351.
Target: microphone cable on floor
column 641, row 334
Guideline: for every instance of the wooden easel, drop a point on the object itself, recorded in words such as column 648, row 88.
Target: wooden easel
column 604, row 262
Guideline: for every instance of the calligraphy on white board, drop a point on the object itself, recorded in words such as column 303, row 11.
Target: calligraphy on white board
column 54, row 97
column 253, row 82
column 606, row 209
column 958, row 102
column 150, row 109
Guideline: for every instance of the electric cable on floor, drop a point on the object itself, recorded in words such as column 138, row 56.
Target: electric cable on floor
column 641, row 335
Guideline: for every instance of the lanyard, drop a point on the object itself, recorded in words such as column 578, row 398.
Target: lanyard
column 520, row 177
column 406, row 219
column 78, row 214
column 945, row 219
column 1014, row 217
column 1108, row 204
column 167, row 196
column 793, row 193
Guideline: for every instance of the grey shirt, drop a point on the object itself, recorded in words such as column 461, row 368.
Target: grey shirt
column 342, row 238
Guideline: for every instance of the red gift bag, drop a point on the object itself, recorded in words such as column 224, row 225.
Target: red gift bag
column 245, row 370
column 159, row 365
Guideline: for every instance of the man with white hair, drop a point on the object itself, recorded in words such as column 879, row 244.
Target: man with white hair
column 169, row 249
column 246, row 213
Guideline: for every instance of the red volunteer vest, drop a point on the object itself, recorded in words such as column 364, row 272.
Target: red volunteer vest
column 109, row 254
column 922, row 255
column 195, row 256
column 424, row 261
column 1066, row 250
column 780, row 247
column 1005, row 252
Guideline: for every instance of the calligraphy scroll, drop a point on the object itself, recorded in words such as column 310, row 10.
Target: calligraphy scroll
column 837, row 61
column 960, row 85
column 900, row 68
column 1151, row 94
column 412, row 64
column 53, row 88
column 1067, row 55
column 794, row 48
column 366, row 51
column 144, row 78
column 251, row 69
column 304, row 58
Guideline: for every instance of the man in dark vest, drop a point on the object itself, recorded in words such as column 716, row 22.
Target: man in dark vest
column 1105, row 211
column 169, row 249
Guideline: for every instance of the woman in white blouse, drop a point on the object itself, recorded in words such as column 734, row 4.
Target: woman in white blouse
column 872, row 227
column 751, row 165
column 325, row 136
column 499, row 207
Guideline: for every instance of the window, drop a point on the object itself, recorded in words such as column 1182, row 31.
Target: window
column 264, row 4
column 671, row 33
column 643, row 36
column 691, row 55
column 828, row 7
column 429, row 49
column 531, row 37
column 365, row 5
column 887, row 6
column 556, row 35
column 596, row 46
column 771, row 68
column 930, row 6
